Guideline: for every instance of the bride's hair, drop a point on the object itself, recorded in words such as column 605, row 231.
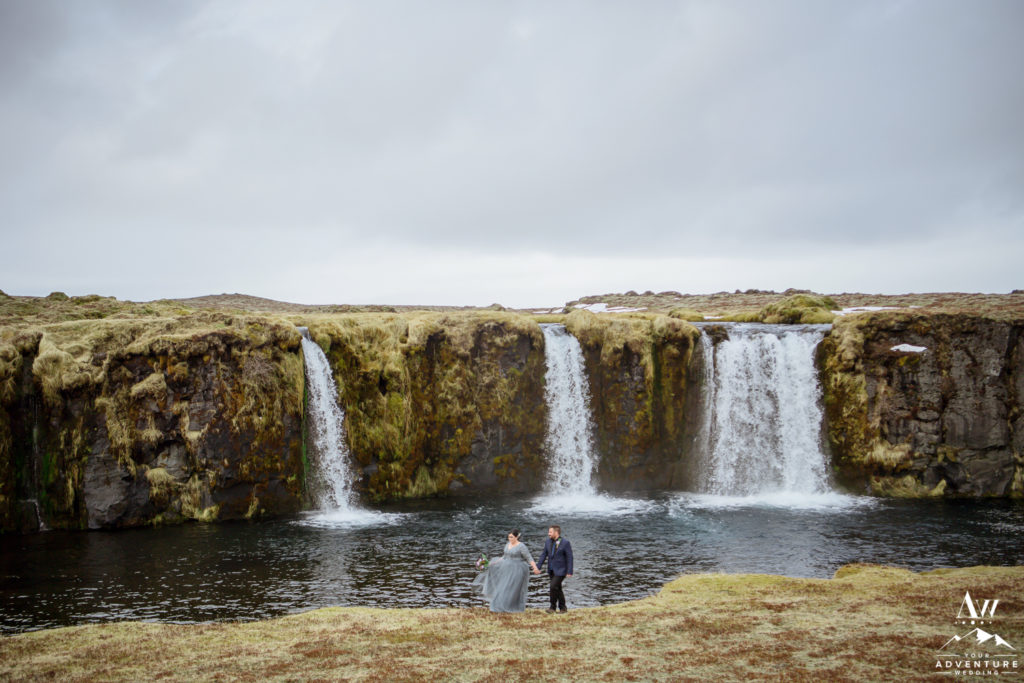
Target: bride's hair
column 515, row 532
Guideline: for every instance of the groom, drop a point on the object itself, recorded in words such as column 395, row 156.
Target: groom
column 558, row 554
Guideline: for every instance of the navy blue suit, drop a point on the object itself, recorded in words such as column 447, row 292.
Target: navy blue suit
column 559, row 558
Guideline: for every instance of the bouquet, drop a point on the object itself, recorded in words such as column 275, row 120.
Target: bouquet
column 482, row 563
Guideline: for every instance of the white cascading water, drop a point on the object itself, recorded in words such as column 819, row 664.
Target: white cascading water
column 569, row 440
column 332, row 489
column 762, row 422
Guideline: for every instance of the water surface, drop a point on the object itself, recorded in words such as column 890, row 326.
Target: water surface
column 422, row 555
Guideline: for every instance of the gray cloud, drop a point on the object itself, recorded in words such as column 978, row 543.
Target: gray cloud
column 207, row 136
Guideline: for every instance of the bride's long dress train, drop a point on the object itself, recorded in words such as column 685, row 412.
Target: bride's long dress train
column 505, row 581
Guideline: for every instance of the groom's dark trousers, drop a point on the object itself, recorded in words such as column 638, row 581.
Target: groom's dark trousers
column 559, row 559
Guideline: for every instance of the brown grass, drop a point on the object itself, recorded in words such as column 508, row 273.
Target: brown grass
column 738, row 305
column 735, row 305
column 867, row 623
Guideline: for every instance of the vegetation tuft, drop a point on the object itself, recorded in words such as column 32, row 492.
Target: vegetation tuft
column 799, row 308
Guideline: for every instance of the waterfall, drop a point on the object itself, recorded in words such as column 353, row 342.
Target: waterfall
column 762, row 420
column 332, row 476
column 569, row 438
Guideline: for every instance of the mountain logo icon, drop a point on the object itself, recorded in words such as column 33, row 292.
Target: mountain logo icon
column 979, row 637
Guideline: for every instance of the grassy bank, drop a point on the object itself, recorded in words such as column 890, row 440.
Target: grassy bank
column 867, row 623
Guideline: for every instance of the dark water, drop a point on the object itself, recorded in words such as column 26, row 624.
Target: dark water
column 423, row 555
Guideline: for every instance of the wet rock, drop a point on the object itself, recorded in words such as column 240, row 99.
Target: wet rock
column 156, row 429
column 644, row 399
column 949, row 415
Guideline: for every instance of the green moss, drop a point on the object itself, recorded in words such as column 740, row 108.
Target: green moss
column 799, row 308
column 686, row 314
column 254, row 510
column 10, row 368
column 131, row 381
column 855, row 356
column 906, row 486
column 852, row 434
column 305, row 453
column 743, row 317
column 637, row 416
column 191, row 497
column 154, row 386
column 162, row 486
column 418, row 388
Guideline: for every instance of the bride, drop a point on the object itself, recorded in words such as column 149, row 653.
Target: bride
column 506, row 579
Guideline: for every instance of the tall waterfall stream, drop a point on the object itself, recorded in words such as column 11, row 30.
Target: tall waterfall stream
column 332, row 481
column 762, row 416
column 569, row 440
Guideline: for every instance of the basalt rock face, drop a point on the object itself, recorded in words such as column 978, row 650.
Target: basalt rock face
column 645, row 393
column 926, row 405
column 124, row 422
column 440, row 404
column 119, row 423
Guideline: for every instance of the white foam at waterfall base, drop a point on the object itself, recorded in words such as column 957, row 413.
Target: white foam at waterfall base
column 762, row 426
column 332, row 475
column 589, row 504
column 830, row 501
column 349, row 518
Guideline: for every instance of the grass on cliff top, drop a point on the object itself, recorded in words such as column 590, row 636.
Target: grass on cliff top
column 750, row 303
column 737, row 305
column 72, row 337
column 867, row 623
column 415, row 327
column 59, row 307
column 614, row 332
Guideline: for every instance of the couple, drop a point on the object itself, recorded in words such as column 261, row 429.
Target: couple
column 506, row 579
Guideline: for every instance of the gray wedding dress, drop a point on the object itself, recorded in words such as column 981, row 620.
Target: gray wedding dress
column 506, row 579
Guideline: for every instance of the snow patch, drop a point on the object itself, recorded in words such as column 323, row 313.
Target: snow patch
column 909, row 348
column 864, row 309
column 605, row 308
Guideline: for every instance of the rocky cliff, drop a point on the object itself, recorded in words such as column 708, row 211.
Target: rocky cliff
column 926, row 404
column 122, row 422
column 122, row 415
column 644, row 397
column 439, row 403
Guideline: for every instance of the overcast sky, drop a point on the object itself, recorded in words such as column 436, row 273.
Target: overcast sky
column 525, row 153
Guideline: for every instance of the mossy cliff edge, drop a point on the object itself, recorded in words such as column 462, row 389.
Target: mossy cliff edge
column 118, row 414
column 132, row 417
column 439, row 403
column 121, row 422
column 926, row 404
column 645, row 404
column 453, row 403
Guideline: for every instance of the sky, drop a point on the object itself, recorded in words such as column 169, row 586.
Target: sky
column 522, row 153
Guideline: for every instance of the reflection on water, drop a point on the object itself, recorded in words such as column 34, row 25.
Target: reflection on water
column 422, row 555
